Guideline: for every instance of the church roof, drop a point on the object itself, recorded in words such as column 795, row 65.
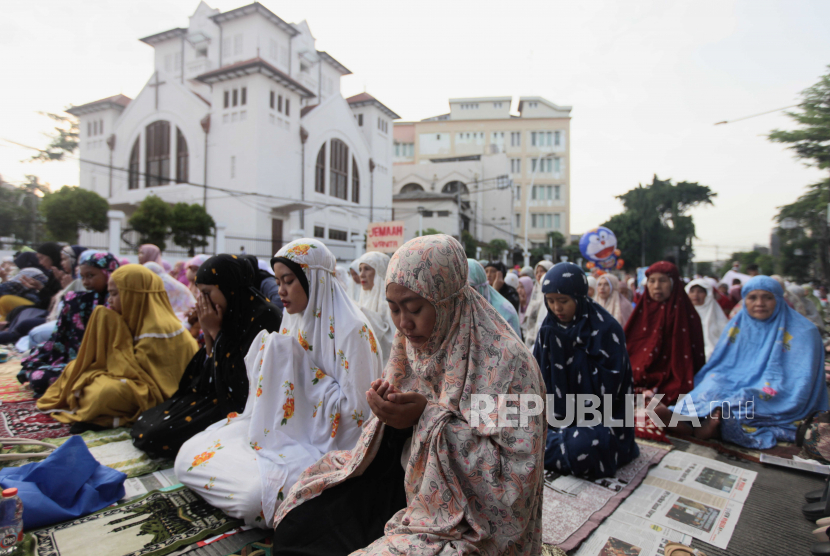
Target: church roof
column 337, row 65
column 118, row 101
column 365, row 99
column 258, row 8
column 254, row 65
column 153, row 40
column 306, row 109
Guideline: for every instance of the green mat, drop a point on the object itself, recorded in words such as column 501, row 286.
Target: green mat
column 259, row 548
column 153, row 525
column 113, row 448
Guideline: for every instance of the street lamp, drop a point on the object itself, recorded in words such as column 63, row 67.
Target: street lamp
column 527, row 204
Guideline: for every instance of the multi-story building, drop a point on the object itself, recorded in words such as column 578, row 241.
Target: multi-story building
column 536, row 144
column 244, row 115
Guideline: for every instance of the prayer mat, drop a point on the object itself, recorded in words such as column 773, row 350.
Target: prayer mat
column 568, row 519
column 113, row 448
column 25, row 420
column 785, row 450
column 12, row 391
column 153, row 525
column 258, row 548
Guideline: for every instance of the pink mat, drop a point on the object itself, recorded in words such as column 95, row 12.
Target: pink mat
column 568, row 520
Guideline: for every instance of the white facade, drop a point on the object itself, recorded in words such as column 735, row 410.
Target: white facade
column 255, row 102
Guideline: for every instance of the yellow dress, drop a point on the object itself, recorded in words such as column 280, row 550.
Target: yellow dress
column 127, row 362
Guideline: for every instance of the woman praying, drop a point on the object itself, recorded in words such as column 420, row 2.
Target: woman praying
column 609, row 296
column 525, row 291
column 455, row 487
column 664, row 335
column 536, row 311
column 581, row 350
column 712, row 318
column 478, row 281
column 305, row 395
column 766, row 374
column 232, row 312
column 131, row 358
column 372, row 301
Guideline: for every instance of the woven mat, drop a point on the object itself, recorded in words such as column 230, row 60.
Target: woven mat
column 12, row 391
column 24, row 420
column 261, row 547
column 785, row 450
column 113, row 448
column 568, row 520
column 153, row 525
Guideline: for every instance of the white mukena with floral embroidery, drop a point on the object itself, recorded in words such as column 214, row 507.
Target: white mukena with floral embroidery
column 307, row 397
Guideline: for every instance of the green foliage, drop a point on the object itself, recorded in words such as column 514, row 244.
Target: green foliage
column 811, row 143
column 71, row 208
column 152, row 221
column 655, row 223
column 470, row 244
column 19, row 215
column 190, row 225
column 495, row 248
column 705, row 269
column 63, row 142
column 428, row 232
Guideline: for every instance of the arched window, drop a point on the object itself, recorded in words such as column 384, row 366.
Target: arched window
column 132, row 179
column 411, row 188
column 454, row 186
column 157, row 145
column 181, row 157
column 355, row 182
column 320, row 171
column 339, row 169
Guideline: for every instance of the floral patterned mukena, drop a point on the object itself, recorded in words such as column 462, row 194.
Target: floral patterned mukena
column 469, row 491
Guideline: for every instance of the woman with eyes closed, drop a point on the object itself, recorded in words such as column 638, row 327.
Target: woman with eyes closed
column 421, row 480
column 372, row 300
column 306, row 393
column 232, row 312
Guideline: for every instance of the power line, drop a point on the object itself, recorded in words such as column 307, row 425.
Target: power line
column 756, row 115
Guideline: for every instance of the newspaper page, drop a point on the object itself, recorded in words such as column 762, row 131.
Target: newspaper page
column 573, row 486
column 691, row 511
column 624, row 533
column 706, row 475
column 139, row 486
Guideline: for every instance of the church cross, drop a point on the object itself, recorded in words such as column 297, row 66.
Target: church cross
column 156, row 85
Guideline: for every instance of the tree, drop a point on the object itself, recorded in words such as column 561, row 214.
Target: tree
column 555, row 239
column 705, row 269
column 71, row 208
column 495, row 248
column 766, row 263
column 428, row 232
column 470, row 244
column 190, row 225
column 64, row 142
column 655, row 223
column 152, row 221
column 810, row 143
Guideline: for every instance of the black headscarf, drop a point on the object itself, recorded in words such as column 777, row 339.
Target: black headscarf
column 498, row 265
column 51, row 250
column 295, row 268
column 27, row 259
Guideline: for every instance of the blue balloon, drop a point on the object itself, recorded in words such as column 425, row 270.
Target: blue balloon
column 598, row 245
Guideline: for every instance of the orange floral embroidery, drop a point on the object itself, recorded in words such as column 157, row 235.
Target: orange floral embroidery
column 232, row 415
column 358, row 416
column 284, row 331
column 366, row 334
column 335, row 422
column 301, row 337
column 300, row 250
column 204, row 457
column 343, row 361
column 288, row 406
column 318, row 375
column 256, row 446
column 259, row 387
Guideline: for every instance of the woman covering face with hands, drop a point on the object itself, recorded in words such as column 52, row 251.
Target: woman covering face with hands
column 215, row 383
column 450, row 344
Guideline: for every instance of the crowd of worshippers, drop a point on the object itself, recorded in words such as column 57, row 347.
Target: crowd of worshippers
column 302, row 396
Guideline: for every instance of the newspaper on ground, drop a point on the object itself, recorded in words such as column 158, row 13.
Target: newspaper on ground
column 694, row 495
column 139, row 486
column 573, row 486
column 624, row 533
column 706, row 475
column 802, row 464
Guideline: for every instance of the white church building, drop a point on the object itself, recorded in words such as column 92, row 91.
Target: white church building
column 245, row 115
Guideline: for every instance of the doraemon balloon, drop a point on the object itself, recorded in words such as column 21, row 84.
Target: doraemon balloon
column 600, row 247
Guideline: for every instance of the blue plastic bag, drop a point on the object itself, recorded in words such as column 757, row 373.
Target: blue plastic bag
column 68, row 484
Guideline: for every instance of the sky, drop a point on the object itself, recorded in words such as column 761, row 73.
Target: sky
column 647, row 81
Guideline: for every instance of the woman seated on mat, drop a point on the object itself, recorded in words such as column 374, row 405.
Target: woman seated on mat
column 664, row 336
column 306, row 393
column 712, row 318
column 462, row 491
column 232, row 312
column 536, row 311
column 477, row 279
column 766, row 374
column 581, row 350
column 45, row 364
column 131, row 358
column 372, row 301
column 181, row 300
column 609, row 296
column 28, row 287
